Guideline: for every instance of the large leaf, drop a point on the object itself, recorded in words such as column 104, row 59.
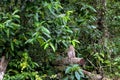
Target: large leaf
column 81, row 72
column 77, row 75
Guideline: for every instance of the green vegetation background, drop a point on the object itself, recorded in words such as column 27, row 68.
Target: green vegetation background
column 34, row 33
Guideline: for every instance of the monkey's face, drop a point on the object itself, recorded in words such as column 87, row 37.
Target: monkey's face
column 71, row 47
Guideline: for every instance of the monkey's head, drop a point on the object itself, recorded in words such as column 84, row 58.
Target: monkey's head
column 71, row 47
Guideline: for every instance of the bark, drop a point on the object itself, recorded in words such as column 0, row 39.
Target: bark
column 66, row 61
column 3, row 65
column 101, row 14
column 97, row 76
column 93, row 76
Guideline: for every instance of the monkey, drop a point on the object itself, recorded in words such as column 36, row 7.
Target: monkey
column 71, row 53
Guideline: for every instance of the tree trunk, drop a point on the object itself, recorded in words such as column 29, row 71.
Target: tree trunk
column 3, row 65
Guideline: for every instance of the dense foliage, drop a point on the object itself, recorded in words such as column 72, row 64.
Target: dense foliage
column 33, row 33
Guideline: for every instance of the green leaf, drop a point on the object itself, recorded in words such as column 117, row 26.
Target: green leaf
column 91, row 8
column 75, row 41
column 102, row 54
column 36, row 16
column 70, row 31
column 75, row 67
column 61, row 15
column 12, row 46
column 14, row 26
column 46, row 45
column 72, row 77
column 77, row 75
column 68, row 70
column 16, row 11
column 69, row 12
column 40, row 40
column 1, row 25
column 52, row 47
column 16, row 16
column 7, row 22
column 51, row 10
column 47, row 35
column 8, row 33
column 45, row 30
column 81, row 73
column 107, row 62
column 66, row 78
column 29, row 41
